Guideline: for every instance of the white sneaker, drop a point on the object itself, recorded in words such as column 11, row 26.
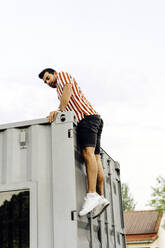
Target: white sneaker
column 104, row 203
column 89, row 204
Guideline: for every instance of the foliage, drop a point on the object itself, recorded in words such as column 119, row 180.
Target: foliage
column 158, row 194
column 127, row 199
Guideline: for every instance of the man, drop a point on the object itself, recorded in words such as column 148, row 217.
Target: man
column 89, row 130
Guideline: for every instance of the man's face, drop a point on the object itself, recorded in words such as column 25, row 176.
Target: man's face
column 50, row 79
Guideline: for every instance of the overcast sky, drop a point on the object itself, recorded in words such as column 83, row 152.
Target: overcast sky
column 115, row 50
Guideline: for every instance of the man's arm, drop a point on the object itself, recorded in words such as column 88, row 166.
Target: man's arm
column 66, row 95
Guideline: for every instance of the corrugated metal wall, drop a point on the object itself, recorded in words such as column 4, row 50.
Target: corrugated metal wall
column 46, row 160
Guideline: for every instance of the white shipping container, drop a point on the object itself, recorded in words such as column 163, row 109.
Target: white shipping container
column 43, row 183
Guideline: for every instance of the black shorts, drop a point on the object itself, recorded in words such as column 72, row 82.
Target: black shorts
column 89, row 131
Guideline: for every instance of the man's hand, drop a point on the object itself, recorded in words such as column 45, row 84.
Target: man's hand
column 52, row 115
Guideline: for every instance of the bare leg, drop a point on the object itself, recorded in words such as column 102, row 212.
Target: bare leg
column 95, row 175
column 100, row 175
column 91, row 167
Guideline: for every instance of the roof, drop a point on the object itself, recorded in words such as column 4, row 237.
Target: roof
column 142, row 225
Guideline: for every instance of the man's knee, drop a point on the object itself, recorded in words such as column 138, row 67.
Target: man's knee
column 88, row 152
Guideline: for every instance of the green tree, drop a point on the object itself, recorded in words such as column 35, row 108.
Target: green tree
column 127, row 199
column 158, row 194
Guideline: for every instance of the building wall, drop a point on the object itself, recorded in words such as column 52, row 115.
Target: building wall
column 149, row 245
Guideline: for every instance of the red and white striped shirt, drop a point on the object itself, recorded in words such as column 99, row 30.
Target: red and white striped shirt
column 77, row 103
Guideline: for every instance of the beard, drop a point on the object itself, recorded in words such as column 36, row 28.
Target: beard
column 53, row 84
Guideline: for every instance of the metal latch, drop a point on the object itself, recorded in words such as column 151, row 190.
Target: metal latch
column 70, row 133
column 74, row 215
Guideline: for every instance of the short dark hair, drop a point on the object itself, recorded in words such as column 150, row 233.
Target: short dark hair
column 52, row 71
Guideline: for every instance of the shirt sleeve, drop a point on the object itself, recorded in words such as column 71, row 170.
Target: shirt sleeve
column 65, row 78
